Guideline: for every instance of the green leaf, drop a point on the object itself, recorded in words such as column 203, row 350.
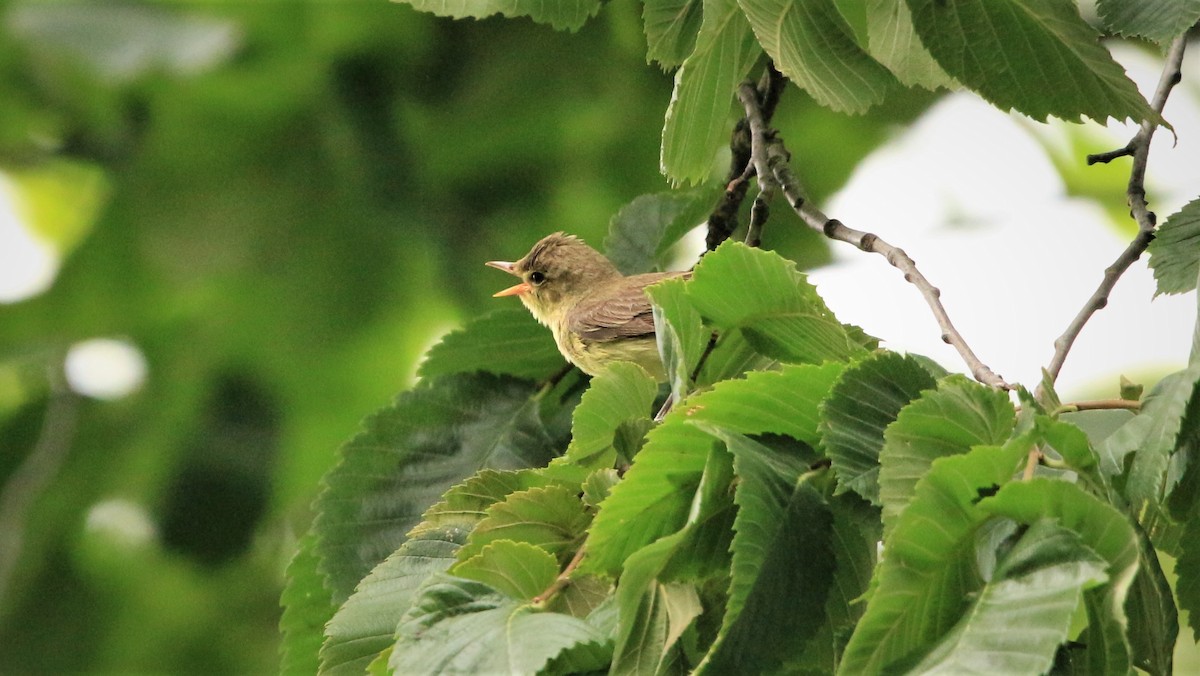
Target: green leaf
column 801, row 338
column 1175, row 251
column 1157, row 20
column 1077, row 452
column 591, row 657
column 857, row 534
column 731, row 357
column 653, row 615
column 703, row 551
column 1194, row 357
column 1098, row 426
column 463, row 626
column 567, row 14
column 466, row 504
column 736, row 284
column 1165, row 412
column 681, row 335
column 365, row 625
column 1187, row 572
column 1153, row 617
column 1130, row 390
column 1183, row 472
column 855, row 541
column 698, row 116
column 409, row 453
column 783, row 402
column 928, row 569
column 379, row 665
column 778, row 310
column 855, row 14
column 812, row 45
column 950, row 420
column 1024, row 613
column 306, row 609
column 550, row 517
column 518, row 569
column 1104, row 647
column 671, row 27
column 782, row 561
column 1070, row 442
column 504, row 342
column 893, row 42
column 642, row 232
column 1102, row 528
column 582, row 597
column 657, row 494
column 1057, row 67
column 867, row 398
column 622, row 393
column 1052, row 402
column 598, row 485
column 653, row 499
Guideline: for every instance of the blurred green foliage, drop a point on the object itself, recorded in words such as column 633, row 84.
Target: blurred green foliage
column 299, row 200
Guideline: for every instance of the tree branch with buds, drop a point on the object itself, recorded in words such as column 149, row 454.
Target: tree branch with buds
column 723, row 221
column 770, row 159
column 1139, row 149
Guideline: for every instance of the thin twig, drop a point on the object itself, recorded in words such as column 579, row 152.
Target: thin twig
column 563, row 579
column 777, row 158
column 33, row 475
column 771, row 158
column 723, row 221
column 1139, row 148
column 708, row 349
column 760, row 134
column 1031, row 462
column 1106, row 157
column 1100, row 405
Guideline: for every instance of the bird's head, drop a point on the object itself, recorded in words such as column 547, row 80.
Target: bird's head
column 556, row 273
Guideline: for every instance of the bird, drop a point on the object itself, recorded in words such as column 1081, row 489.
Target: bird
column 597, row 315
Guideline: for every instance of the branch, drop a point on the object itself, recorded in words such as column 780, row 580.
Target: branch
column 760, row 135
column 1100, row 405
column 769, row 152
column 1139, row 148
column 30, row 479
column 723, row 220
column 563, row 579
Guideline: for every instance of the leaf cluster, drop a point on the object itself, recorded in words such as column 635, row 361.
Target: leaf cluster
column 810, row 504
column 1037, row 57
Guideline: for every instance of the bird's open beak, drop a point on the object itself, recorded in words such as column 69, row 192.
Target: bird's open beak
column 514, row 290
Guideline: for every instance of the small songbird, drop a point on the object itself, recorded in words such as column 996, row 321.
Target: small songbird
column 597, row 315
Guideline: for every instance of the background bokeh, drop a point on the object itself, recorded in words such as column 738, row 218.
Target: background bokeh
column 265, row 212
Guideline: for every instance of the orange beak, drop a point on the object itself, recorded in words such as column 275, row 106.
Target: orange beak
column 514, row 290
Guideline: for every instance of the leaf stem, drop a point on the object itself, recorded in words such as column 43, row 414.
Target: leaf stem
column 1139, row 149
column 1100, row 405
column 1035, row 457
column 550, row 383
column 563, row 579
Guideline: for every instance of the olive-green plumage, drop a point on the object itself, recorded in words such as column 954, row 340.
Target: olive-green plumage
column 597, row 315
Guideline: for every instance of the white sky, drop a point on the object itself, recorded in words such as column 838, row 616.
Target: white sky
column 1023, row 257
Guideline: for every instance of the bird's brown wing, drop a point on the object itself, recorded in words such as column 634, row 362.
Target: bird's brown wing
column 623, row 314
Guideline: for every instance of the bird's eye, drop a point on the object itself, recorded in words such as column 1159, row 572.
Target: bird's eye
column 536, row 278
